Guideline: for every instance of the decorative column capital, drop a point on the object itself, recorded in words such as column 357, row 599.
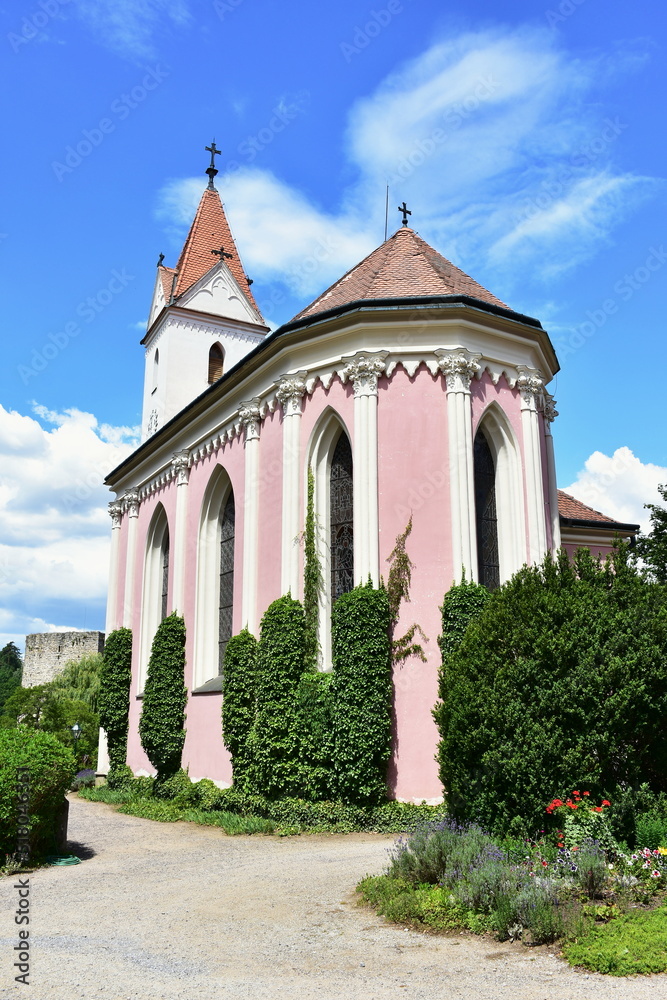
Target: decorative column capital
column 363, row 371
column 530, row 385
column 131, row 503
column 459, row 367
column 550, row 411
column 249, row 416
column 180, row 463
column 115, row 512
column 290, row 391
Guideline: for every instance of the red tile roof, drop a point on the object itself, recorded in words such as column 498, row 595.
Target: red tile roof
column 209, row 231
column 167, row 279
column 569, row 507
column 404, row 265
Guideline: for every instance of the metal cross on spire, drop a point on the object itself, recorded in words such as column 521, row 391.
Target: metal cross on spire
column 222, row 253
column 211, row 170
column 406, row 212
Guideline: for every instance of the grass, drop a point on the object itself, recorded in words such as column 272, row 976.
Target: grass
column 632, row 944
column 171, row 812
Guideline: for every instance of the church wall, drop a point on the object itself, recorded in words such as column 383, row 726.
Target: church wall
column 415, row 480
column 270, row 510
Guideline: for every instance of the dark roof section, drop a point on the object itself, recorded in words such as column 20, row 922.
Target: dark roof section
column 404, row 266
column 575, row 514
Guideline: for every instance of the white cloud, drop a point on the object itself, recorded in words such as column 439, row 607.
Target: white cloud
column 129, row 26
column 54, row 530
column 494, row 142
column 619, row 485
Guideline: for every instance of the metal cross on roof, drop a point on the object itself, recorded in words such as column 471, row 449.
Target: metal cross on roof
column 406, row 212
column 211, row 170
column 160, row 259
column 222, row 253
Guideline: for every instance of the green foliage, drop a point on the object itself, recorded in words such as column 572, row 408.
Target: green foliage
column 161, row 727
column 398, row 590
column 11, row 670
column 51, row 767
column 629, row 945
column 312, row 581
column 43, row 708
column 119, row 776
column 462, row 604
column 560, row 682
column 361, row 694
column 114, row 695
column 239, row 696
column 314, row 734
column 80, row 680
column 273, row 742
column 652, row 548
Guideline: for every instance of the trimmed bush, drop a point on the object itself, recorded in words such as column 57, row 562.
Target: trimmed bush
column 239, row 697
column 51, row 767
column 273, row 742
column 561, row 682
column 114, row 696
column 314, row 731
column 361, row 694
column 161, row 727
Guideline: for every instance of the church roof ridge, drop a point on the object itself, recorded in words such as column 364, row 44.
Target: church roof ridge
column 209, row 233
column 404, row 266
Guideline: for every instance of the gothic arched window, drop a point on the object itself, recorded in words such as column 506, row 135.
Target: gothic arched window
column 226, row 605
column 164, row 570
column 216, row 363
column 488, row 560
column 341, row 509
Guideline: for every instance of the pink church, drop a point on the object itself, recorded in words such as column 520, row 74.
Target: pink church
column 408, row 389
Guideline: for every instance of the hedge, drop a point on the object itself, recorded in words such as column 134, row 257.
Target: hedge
column 114, row 696
column 239, row 696
column 162, row 723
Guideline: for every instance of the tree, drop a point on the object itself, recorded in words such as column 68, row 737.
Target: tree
column 162, row 723
column 114, row 695
column 559, row 683
column 11, row 670
column 239, row 697
column 652, row 548
column 80, row 680
column 43, row 709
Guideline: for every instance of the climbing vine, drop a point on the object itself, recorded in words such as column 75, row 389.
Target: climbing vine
column 398, row 590
column 114, row 694
column 312, row 581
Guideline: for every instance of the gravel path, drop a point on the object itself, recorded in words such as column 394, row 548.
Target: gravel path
column 182, row 912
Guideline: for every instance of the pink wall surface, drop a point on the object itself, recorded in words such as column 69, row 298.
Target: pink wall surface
column 270, row 510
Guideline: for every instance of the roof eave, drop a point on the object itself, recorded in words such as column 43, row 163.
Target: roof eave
column 583, row 522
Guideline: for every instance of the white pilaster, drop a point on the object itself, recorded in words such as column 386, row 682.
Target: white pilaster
column 250, row 418
column 459, row 366
column 115, row 510
column 531, row 386
column 363, row 370
column 290, row 395
column 181, row 466
column 550, row 414
column 131, row 507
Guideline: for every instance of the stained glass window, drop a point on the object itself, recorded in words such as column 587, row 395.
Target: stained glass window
column 341, row 508
column 487, row 518
column 165, row 575
column 227, row 524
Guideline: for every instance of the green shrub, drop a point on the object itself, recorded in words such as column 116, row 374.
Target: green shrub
column 161, row 727
column 119, row 776
column 177, row 788
column 83, row 779
column 51, row 767
column 11, row 671
column 273, row 742
column 629, row 945
column 314, row 734
column 80, row 680
column 560, row 682
column 239, row 696
column 114, row 696
column 361, row 694
column 42, row 708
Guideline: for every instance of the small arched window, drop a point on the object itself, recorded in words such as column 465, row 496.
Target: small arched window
column 486, row 515
column 156, row 366
column 341, row 499
column 216, row 362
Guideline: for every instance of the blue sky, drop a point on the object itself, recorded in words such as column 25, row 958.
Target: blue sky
column 528, row 140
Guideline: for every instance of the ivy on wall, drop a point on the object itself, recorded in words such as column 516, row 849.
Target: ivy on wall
column 312, row 580
column 239, row 696
column 162, row 723
column 314, row 731
column 114, row 694
column 398, row 590
column 361, row 694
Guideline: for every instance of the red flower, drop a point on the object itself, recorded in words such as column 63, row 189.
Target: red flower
column 576, row 793
column 587, row 793
column 598, row 809
column 606, row 802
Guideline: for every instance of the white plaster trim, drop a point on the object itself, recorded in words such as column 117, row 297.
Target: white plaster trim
column 290, row 393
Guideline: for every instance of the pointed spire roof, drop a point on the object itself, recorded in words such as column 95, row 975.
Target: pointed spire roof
column 209, row 232
column 403, row 266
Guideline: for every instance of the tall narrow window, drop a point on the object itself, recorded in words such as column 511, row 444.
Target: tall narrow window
column 226, row 607
column 216, row 361
column 341, row 508
column 486, row 515
column 156, row 368
column 164, row 559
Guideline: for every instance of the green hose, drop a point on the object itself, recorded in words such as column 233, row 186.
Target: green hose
column 63, row 859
